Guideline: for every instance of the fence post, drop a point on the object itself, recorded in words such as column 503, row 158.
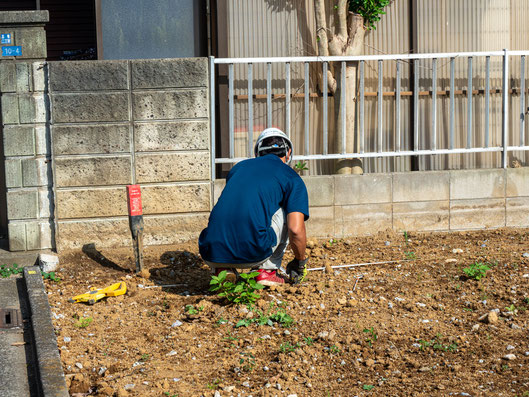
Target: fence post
column 505, row 129
column 212, row 114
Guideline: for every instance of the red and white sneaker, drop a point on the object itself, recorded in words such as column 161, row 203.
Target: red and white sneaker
column 269, row 277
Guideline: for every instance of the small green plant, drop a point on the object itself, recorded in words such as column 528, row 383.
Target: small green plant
column 287, row 347
column 247, row 361
column 371, row 337
column 410, row 255
column 84, row 322
column 300, row 166
column 308, row 341
column 334, row 349
column 191, row 310
column 437, row 344
column 215, row 384
column 8, row 270
column 280, row 316
column 368, row 387
column 477, row 270
column 242, row 291
column 170, row 395
column 221, row 321
column 144, row 357
column 50, row 276
column 406, row 237
column 510, row 308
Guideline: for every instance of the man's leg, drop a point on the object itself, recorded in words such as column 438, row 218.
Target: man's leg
column 279, row 224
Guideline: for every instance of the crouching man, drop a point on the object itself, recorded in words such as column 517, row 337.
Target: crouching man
column 263, row 206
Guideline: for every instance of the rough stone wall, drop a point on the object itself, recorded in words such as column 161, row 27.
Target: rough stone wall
column 115, row 123
column 25, row 133
column 357, row 205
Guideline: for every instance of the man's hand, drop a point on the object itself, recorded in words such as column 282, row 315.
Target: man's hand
column 297, row 271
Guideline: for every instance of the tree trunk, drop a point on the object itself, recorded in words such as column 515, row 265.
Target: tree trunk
column 355, row 44
column 348, row 39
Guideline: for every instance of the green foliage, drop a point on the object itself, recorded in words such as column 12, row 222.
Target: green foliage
column 190, row 309
column 9, row 270
column 368, row 387
column 410, row 255
column 280, row 316
column 371, row 337
column 308, row 341
column 144, row 357
column 300, row 166
column 50, row 276
column 370, row 10
column 477, row 270
column 6, row 270
column 215, row 384
column 287, row 347
column 406, row 237
column 437, row 344
column 84, row 322
column 247, row 361
column 242, row 291
column 334, row 349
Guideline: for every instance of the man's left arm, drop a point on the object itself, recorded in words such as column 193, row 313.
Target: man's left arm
column 297, row 234
column 296, row 268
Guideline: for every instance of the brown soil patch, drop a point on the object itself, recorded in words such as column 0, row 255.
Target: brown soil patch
column 407, row 329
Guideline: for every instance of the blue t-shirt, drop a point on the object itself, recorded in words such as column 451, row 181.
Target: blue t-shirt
column 239, row 228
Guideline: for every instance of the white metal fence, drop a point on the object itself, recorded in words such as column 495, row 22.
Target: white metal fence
column 386, row 138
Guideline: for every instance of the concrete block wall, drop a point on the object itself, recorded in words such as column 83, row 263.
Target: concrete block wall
column 357, row 205
column 116, row 123
column 25, row 133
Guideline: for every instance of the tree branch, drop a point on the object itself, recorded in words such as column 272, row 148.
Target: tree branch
column 321, row 28
column 322, row 39
column 341, row 18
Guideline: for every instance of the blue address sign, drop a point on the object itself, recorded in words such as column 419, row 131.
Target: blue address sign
column 12, row 51
column 6, row 38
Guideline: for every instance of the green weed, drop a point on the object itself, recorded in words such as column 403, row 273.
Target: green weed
column 300, row 166
column 280, row 316
column 247, row 361
column 8, row 270
column 242, row 291
column 50, row 276
column 287, row 347
column 368, row 387
column 190, row 309
column 372, row 336
column 215, row 384
column 410, row 255
column 144, row 357
column 308, row 341
column 437, row 344
column 84, row 322
column 477, row 270
column 334, row 349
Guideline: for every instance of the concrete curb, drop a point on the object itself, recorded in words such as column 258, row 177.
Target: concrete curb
column 51, row 376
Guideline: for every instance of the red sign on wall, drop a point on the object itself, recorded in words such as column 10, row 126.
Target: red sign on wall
column 134, row 200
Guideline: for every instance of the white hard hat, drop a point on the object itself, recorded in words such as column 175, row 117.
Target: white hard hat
column 268, row 133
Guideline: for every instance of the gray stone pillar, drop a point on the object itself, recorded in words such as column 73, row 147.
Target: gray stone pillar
column 26, row 131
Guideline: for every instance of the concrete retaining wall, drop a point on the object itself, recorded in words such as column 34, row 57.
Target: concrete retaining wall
column 356, row 205
column 120, row 122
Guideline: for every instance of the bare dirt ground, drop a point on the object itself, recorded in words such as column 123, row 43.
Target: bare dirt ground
column 410, row 328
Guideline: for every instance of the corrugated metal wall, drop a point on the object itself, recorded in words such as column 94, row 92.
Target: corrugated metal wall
column 264, row 28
